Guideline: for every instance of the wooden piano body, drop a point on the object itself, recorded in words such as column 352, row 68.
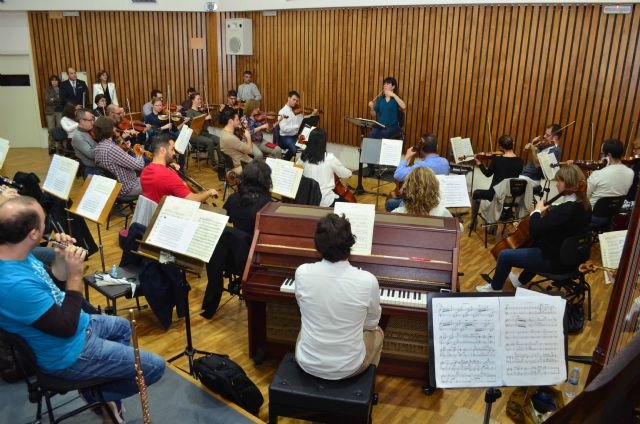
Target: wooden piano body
column 418, row 254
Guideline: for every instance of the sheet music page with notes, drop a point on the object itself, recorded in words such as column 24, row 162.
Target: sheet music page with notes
column 4, row 149
column 549, row 165
column 362, row 217
column 285, row 177
column 390, row 152
column 60, row 176
column 462, row 149
column 183, row 139
column 453, row 191
column 95, row 197
column 498, row 341
column 611, row 245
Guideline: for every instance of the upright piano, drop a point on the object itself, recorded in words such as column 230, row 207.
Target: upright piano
column 411, row 256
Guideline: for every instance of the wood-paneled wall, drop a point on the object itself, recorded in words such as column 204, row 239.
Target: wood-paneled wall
column 458, row 67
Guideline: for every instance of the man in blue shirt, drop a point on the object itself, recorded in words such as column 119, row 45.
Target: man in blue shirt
column 429, row 159
column 67, row 341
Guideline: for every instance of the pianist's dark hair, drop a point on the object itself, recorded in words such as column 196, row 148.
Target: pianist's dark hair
column 255, row 181
column 16, row 226
column 333, row 238
column 316, row 147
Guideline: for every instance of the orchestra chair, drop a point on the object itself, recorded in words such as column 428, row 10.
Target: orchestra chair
column 308, row 193
column 228, row 167
column 41, row 385
column 294, row 393
column 508, row 212
column 575, row 251
column 603, row 213
column 122, row 203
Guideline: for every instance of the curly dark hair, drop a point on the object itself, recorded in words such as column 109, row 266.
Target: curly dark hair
column 255, row 181
column 333, row 238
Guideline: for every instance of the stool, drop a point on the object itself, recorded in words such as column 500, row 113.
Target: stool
column 296, row 394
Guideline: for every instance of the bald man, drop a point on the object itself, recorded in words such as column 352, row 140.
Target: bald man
column 74, row 90
column 67, row 341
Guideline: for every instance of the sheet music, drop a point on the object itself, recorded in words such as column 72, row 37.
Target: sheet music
column 305, row 133
column 95, row 197
column 453, row 191
column 285, row 177
column 498, row 341
column 209, row 227
column 183, row 139
column 611, row 245
column 462, row 149
column 60, row 176
column 390, row 152
column 362, row 217
column 548, row 163
column 4, row 149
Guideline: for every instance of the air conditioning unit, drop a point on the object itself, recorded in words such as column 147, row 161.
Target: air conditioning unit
column 239, row 36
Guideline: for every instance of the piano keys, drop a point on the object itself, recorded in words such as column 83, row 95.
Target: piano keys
column 411, row 256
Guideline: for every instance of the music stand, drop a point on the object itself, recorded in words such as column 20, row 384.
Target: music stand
column 363, row 123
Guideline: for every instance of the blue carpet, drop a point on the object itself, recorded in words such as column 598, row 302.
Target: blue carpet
column 173, row 399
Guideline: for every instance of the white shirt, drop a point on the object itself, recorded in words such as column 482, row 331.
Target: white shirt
column 248, row 91
column 337, row 303
column 439, row 210
column 97, row 89
column 291, row 124
column 610, row 181
column 69, row 125
column 323, row 173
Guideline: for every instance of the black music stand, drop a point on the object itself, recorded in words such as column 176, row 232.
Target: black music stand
column 363, row 123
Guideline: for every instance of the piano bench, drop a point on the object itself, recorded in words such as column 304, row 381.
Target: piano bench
column 294, row 393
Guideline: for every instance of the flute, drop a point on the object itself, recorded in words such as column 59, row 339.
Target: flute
column 63, row 245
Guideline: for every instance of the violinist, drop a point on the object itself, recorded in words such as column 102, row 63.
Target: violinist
column 321, row 166
column 205, row 138
column 158, row 179
column 248, row 90
column 549, row 227
column 230, row 144
column 230, row 104
column 631, row 195
column 84, row 146
column 115, row 113
column 548, row 143
column 156, row 94
column 186, row 104
column 257, row 128
column 290, row 126
column 504, row 166
column 161, row 122
column 613, row 180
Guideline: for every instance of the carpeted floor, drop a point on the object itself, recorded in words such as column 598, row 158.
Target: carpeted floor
column 174, row 399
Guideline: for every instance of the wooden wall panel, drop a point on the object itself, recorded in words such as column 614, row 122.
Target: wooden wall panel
column 475, row 71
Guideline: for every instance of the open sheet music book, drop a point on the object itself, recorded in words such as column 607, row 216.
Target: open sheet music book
column 285, row 177
column 462, row 149
column 362, row 217
column 611, row 245
column 182, row 226
column 453, row 191
column 99, row 194
column 549, row 165
column 183, row 139
column 62, row 172
column 4, row 149
column 491, row 341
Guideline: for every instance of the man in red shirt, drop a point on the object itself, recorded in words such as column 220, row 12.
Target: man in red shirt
column 158, row 180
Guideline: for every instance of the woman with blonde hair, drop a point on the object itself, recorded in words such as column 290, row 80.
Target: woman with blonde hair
column 421, row 194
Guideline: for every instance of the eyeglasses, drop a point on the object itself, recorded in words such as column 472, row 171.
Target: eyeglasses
column 88, row 119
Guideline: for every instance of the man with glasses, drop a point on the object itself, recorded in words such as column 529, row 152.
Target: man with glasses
column 155, row 95
column 548, row 143
column 84, row 146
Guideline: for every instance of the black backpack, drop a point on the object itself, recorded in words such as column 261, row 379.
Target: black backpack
column 223, row 376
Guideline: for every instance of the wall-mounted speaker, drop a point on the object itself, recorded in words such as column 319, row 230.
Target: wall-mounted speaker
column 239, row 36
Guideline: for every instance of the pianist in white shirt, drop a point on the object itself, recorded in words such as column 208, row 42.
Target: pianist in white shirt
column 340, row 308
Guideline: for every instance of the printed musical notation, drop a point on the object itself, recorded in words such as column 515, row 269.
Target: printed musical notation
column 498, row 341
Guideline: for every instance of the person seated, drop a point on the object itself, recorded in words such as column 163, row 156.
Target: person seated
column 231, row 251
column 502, row 167
column 548, row 143
column 205, row 138
column 186, row 104
column 549, row 227
column 156, row 94
column 116, row 160
column 84, row 146
column 290, row 124
column 67, row 342
column 68, row 121
column 631, row 194
column 339, row 307
column 421, row 194
column 158, row 121
column 613, row 180
column 323, row 167
column 101, row 105
column 257, row 129
column 160, row 178
column 230, row 104
column 230, row 144
column 428, row 158
column 115, row 113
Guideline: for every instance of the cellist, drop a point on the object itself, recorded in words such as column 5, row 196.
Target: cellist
column 549, row 226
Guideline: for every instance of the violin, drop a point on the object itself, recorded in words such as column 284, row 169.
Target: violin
column 341, row 190
column 139, row 150
column 303, row 109
column 268, row 117
column 585, row 165
column 630, row 160
column 137, row 125
column 170, row 107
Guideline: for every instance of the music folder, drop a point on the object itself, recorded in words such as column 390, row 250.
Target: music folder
column 4, row 149
column 383, row 151
column 96, row 198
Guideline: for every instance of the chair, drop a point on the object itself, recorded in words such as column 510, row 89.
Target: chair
column 296, row 394
column 308, row 193
column 603, row 212
column 144, row 210
column 575, row 250
column 509, row 213
column 122, row 202
column 41, row 385
column 229, row 177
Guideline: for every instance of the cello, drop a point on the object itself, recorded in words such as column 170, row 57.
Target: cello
column 342, row 191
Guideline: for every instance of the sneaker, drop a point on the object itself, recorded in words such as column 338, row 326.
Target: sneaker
column 486, row 288
column 515, row 282
column 116, row 407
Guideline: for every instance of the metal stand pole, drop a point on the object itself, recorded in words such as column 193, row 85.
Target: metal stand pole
column 101, row 247
column 491, row 395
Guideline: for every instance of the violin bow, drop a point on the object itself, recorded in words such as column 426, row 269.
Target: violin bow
column 490, row 138
column 630, row 142
column 592, row 140
column 130, row 113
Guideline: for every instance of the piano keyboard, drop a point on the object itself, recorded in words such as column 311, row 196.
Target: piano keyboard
column 400, row 297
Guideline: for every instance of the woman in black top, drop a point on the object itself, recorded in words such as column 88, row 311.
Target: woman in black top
column 502, row 167
column 253, row 193
column 549, row 226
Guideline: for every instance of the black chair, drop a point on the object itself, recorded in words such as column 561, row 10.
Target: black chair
column 603, row 212
column 308, row 193
column 41, row 385
column 198, row 152
column 510, row 207
column 124, row 205
column 230, row 181
column 296, row 394
column 575, row 251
